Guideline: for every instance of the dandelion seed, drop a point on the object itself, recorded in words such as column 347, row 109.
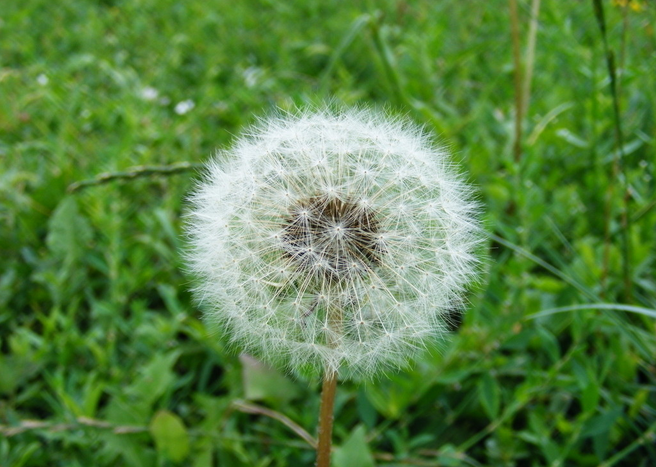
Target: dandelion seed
column 332, row 241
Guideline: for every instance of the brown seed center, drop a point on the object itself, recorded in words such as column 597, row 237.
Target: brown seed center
column 332, row 238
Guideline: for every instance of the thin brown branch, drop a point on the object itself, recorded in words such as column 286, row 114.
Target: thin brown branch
column 132, row 173
column 30, row 425
column 247, row 407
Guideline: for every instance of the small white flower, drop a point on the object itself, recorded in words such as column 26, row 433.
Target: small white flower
column 42, row 79
column 332, row 241
column 184, row 107
column 149, row 94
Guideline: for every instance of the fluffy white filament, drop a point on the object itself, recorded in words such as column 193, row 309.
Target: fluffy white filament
column 332, row 240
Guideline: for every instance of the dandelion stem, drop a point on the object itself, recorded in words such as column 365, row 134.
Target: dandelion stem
column 328, row 395
column 326, row 418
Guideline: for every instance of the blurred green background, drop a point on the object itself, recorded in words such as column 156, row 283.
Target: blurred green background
column 104, row 358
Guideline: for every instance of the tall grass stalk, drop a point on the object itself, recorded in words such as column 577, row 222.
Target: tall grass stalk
column 517, row 62
column 618, row 170
column 530, row 55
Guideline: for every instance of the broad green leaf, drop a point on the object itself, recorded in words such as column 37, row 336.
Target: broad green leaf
column 261, row 382
column 170, row 435
column 354, row 452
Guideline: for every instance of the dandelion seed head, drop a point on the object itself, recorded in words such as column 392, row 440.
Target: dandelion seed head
column 332, row 241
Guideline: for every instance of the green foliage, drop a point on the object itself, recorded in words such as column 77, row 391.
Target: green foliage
column 354, row 451
column 261, row 382
column 170, row 435
column 104, row 359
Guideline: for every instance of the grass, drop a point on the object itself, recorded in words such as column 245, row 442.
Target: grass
column 104, row 359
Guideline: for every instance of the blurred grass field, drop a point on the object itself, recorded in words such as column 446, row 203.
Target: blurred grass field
column 104, row 358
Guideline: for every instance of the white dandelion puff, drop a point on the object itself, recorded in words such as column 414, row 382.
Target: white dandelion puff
column 332, row 241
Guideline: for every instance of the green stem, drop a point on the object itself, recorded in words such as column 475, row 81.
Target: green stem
column 519, row 105
column 530, row 55
column 618, row 171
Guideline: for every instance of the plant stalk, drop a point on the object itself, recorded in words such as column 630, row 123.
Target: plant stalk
column 530, row 55
column 517, row 62
column 619, row 163
column 326, row 418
